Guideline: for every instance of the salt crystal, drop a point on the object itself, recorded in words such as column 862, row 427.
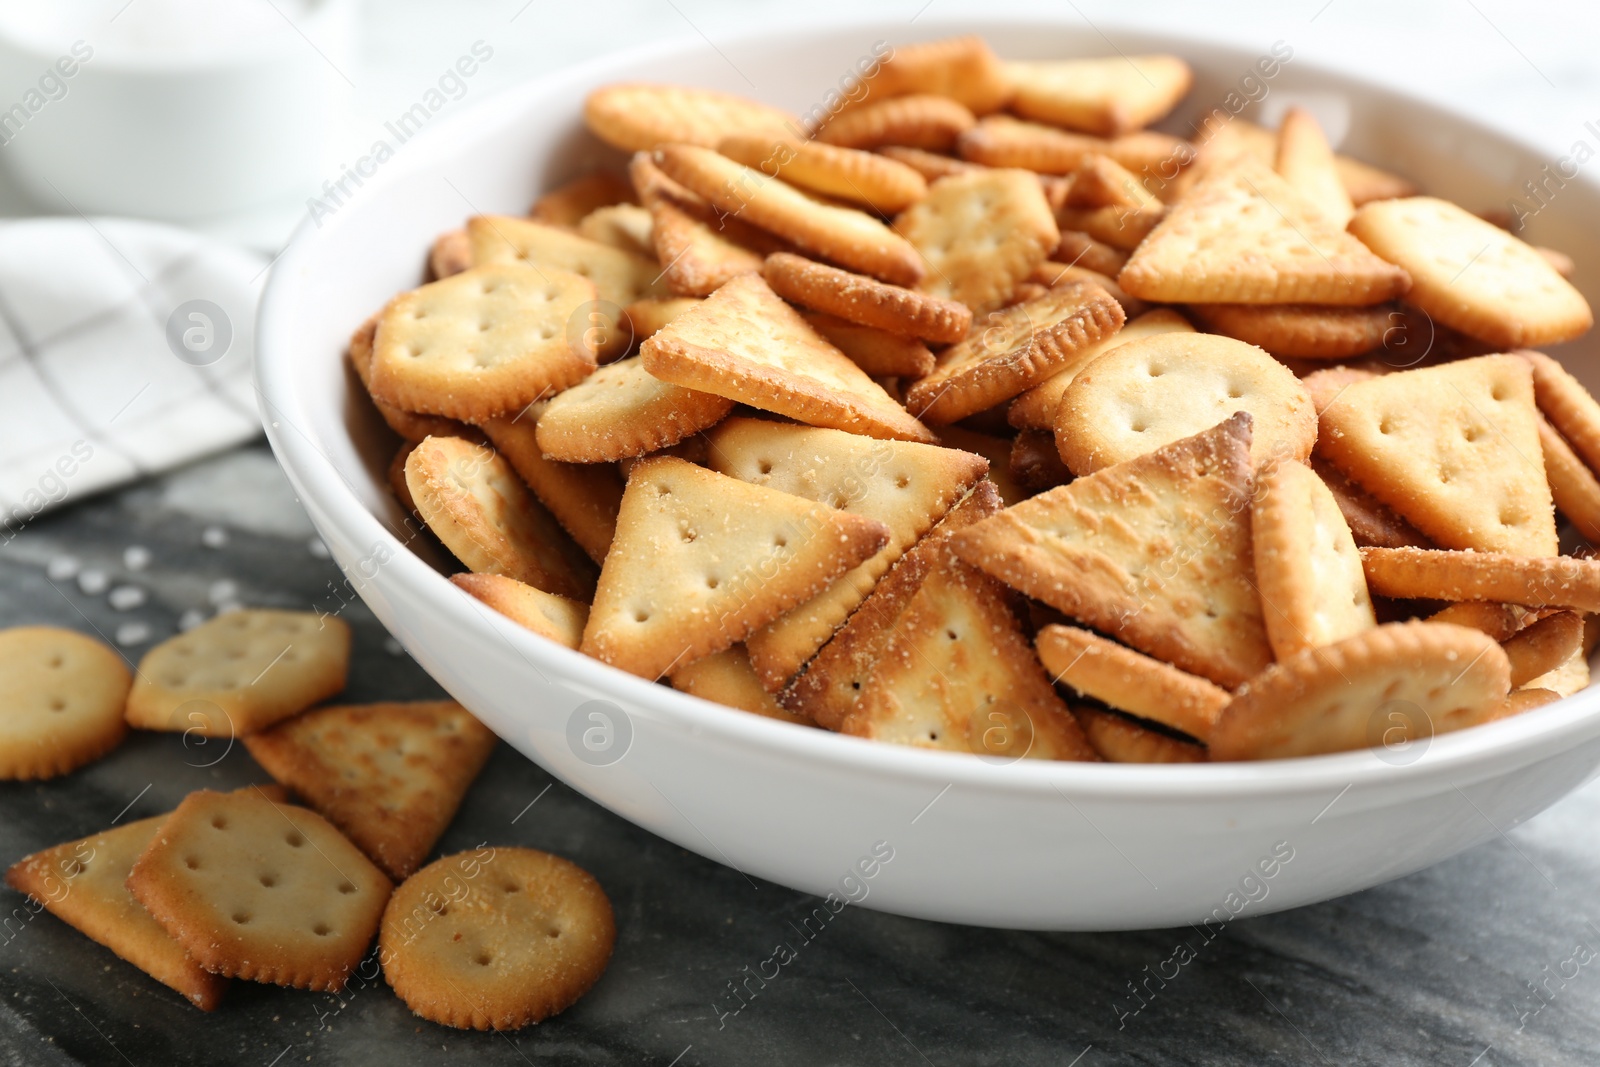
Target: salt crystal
column 393, row 647
column 213, row 537
column 190, row 619
column 61, row 568
column 221, row 590
column 136, row 557
column 318, row 548
column 126, row 597
column 133, row 633
column 228, row 607
column 93, row 582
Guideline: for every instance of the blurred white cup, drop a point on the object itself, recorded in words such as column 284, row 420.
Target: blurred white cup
column 173, row 109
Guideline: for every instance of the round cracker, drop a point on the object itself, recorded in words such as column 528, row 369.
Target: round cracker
column 860, row 299
column 496, row 941
column 1390, row 686
column 64, row 697
column 623, row 410
column 636, row 116
column 1148, row 393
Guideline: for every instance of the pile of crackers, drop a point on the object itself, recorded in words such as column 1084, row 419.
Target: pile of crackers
column 983, row 418
column 252, row 886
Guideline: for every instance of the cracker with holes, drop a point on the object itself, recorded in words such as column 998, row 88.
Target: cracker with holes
column 624, row 410
column 1313, row 589
column 728, row 678
column 1439, row 574
column 568, row 204
column 496, row 939
column 981, row 234
column 1015, row 349
column 1473, row 276
column 546, row 614
column 832, row 682
column 1119, row 739
column 260, row 890
column 957, row 674
column 877, row 352
column 488, row 340
column 1002, row 141
column 389, row 776
column 1140, row 396
column 1035, row 407
column 64, row 697
column 744, row 343
column 1305, row 161
column 844, row 235
column 1154, row 551
column 583, row 499
column 1390, row 685
column 82, row 883
column 408, row 424
column 906, row 486
column 1107, row 97
column 875, row 182
column 240, row 672
column 867, row 301
column 921, row 120
column 473, row 501
column 635, row 116
column 702, row 560
column 964, row 69
column 1243, row 235
column 1454, row 449
column 1130, row 681
column 620, row 277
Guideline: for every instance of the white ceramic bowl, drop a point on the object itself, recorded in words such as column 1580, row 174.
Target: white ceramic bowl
column 1029, row 844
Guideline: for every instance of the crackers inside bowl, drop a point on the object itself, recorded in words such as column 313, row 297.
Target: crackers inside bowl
column 947, row 462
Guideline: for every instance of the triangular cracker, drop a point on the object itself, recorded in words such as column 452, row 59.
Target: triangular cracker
column 958, row 674
column 1155, row 551
column 1242, row 235
column 833, row 679
column 81, row 883
column 390, row 776
column 908, row 487
column 1454, row 449
column 746, row 344
column 982, row 233
column 1108, row 97
column 701, row 560
column 1305, row 161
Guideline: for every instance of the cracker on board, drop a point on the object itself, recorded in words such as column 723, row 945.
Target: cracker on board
column 64, row 694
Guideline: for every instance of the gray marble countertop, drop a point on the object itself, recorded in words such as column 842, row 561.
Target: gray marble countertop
column 1437, row 968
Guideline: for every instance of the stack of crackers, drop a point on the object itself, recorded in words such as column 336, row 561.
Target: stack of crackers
column 249, row 885
column 983, row 418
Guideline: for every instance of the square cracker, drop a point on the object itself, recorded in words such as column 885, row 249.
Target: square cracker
column 1107, row 97
column 1154, row 551
column 389, row 776
column 1242, row 235
column 256, row 889
column 1473, row 276
column 1454, row 449
column 702, row 560
column 906, row 486
column 240, row 672
column 981, row 234
column 746, row 344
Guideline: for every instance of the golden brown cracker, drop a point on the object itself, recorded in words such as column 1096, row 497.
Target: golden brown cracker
column 1302, row 331
column 1305, row 161
column 1313, row 589
column 583, row 498
column 1139, row 396
column 623, row 410
column 964, row 69
column 1366, row 183
column 1453, row 448
column 256, row 889
column 1100, row 181
column 408, row 424
column 1441, row 574
column 867, row 301
column 699, row 256
column 1130, row 681
column 1120, row 739
column 647, row 316
column 1035, row 409
column 1392, row 685
column 451, row 253
column 1573, row 486
column 619, row 277
column 1543, row 646
column 1002, row 141
column 622, row 226
column 1051, row 274
column 997, row 450
column 1034, row 462
column 1572, row 411
column 473, row 501
column 390, row 776
column 1014, row 349
column 1103, row 96
column 702, row 560
column 981, row 234
column 872, row 181
column 546, row 614
column 877, row 352
column 1371, row 522
column 568, row 203
column 1082, row 250
column 1242, row 235
column 240, row 672
column 635, row 116
column 64, row 695
column 496, row 939
column 1471, row 275
column 744, row 343
column 921, row 120
column 727, row 678
column 1155, row 552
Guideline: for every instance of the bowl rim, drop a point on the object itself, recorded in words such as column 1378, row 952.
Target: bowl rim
column 1460, row 757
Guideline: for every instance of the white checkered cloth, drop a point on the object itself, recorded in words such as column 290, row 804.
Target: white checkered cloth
column 92, row 394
